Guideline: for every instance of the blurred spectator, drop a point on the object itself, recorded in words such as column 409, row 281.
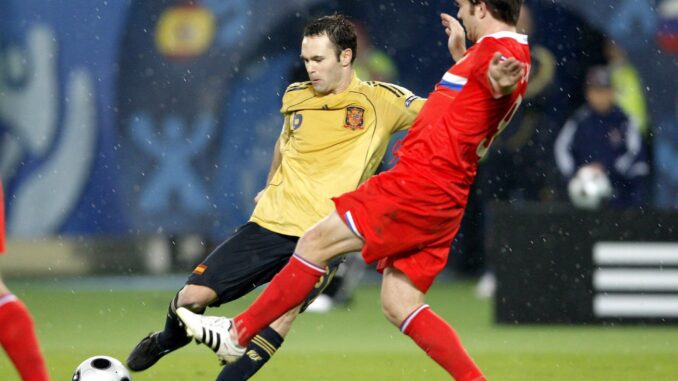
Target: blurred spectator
column 627, row 86
column 373, row 64
column 602, row 136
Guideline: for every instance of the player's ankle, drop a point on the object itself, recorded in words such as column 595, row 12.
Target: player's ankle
column 235, row 337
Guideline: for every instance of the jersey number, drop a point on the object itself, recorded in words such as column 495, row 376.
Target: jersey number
column 484, row 145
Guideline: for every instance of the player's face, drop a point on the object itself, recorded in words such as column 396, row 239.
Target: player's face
column 325, row 71
column 601, row 99
column 466, row 15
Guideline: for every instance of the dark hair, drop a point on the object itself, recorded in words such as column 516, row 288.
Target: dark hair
column 507, row 11
column 338, row 29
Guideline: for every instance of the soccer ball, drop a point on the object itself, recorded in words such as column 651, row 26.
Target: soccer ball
column 101, row 368
column 589, row 188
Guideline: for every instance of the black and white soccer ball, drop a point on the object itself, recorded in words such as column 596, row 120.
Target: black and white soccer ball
column 590, row 188
column 101, row 368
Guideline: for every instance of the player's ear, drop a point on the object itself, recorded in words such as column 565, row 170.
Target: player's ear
column 346, row 56
column 482, row 9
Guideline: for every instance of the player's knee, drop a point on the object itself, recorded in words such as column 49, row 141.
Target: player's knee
column 396, row 309
column 195, row 298
column 310, row 241
column 310, row 246
column 392, row 311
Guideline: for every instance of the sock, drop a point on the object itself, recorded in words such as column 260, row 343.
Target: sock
column 333, row 288
column 173, row 336
column 287, row 290
column 17, row 336
column 439, row 340
column 260, row 350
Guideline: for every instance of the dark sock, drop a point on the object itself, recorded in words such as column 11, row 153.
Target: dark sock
column 173, row 336
column 258, row 352
column 335, row 285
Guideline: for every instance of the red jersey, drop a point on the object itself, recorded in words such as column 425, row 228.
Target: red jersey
column 409, row 215
column 456, row 126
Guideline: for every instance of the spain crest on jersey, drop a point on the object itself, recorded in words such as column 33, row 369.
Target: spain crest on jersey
column 354, row 117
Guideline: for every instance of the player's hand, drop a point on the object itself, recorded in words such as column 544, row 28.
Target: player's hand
column 258, row 196
column 456, row 41
column 505, row 73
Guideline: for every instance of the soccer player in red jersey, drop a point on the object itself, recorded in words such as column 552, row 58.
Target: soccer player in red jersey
column 17, row 334
column 407, row 217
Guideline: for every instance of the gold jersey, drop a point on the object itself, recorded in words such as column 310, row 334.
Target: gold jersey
column 329, row 145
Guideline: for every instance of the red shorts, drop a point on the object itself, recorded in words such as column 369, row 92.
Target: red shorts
column 406, row 221
column 2, row 221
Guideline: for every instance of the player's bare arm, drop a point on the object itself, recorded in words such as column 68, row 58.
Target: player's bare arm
column 456, row 42
column 504, row 73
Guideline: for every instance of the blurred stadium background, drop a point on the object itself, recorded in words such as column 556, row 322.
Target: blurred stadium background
column 135, row 134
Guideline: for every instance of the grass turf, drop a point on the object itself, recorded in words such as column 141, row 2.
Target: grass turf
column 74, row 323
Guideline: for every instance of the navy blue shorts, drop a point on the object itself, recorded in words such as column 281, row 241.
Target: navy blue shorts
column 248, row 259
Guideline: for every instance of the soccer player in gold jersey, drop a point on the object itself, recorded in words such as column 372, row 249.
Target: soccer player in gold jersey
column 336, row 130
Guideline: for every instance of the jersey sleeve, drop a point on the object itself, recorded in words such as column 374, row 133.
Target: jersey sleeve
column 295, row 93
column 482, row 58
column 402, row 106
column 633, row 148
column 563, row 148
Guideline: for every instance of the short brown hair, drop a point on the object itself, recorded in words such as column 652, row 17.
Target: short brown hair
column 338, row 29
column 507, row 11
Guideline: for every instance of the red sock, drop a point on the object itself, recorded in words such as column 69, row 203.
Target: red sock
column 439, row 340
column 17, row 336
column 287, row 290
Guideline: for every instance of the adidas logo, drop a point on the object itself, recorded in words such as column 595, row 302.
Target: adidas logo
column 211, row 339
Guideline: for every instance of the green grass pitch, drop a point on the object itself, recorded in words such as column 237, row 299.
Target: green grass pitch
column 354, row 344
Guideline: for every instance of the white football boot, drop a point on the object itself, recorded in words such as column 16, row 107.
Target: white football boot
column 213, row 331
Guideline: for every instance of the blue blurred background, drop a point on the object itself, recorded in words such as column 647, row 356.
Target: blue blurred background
column 132, row 118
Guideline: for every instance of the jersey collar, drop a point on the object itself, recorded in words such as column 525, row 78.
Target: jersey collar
column 354, row 81
column 520, row 38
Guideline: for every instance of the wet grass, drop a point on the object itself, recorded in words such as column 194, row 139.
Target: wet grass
column 356, row 343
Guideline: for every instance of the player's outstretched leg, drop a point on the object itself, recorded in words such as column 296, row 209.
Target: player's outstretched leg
column 264, row 345
column 287, row 290
column 213, row 331
column 17, row 337
column 403, row 305
column 439, row 340
column 258, row 352
column 157, row 344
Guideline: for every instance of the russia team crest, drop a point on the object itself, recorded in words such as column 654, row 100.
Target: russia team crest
column 354, row 118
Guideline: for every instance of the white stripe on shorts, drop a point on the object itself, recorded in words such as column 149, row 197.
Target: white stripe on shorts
column 351, row 224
